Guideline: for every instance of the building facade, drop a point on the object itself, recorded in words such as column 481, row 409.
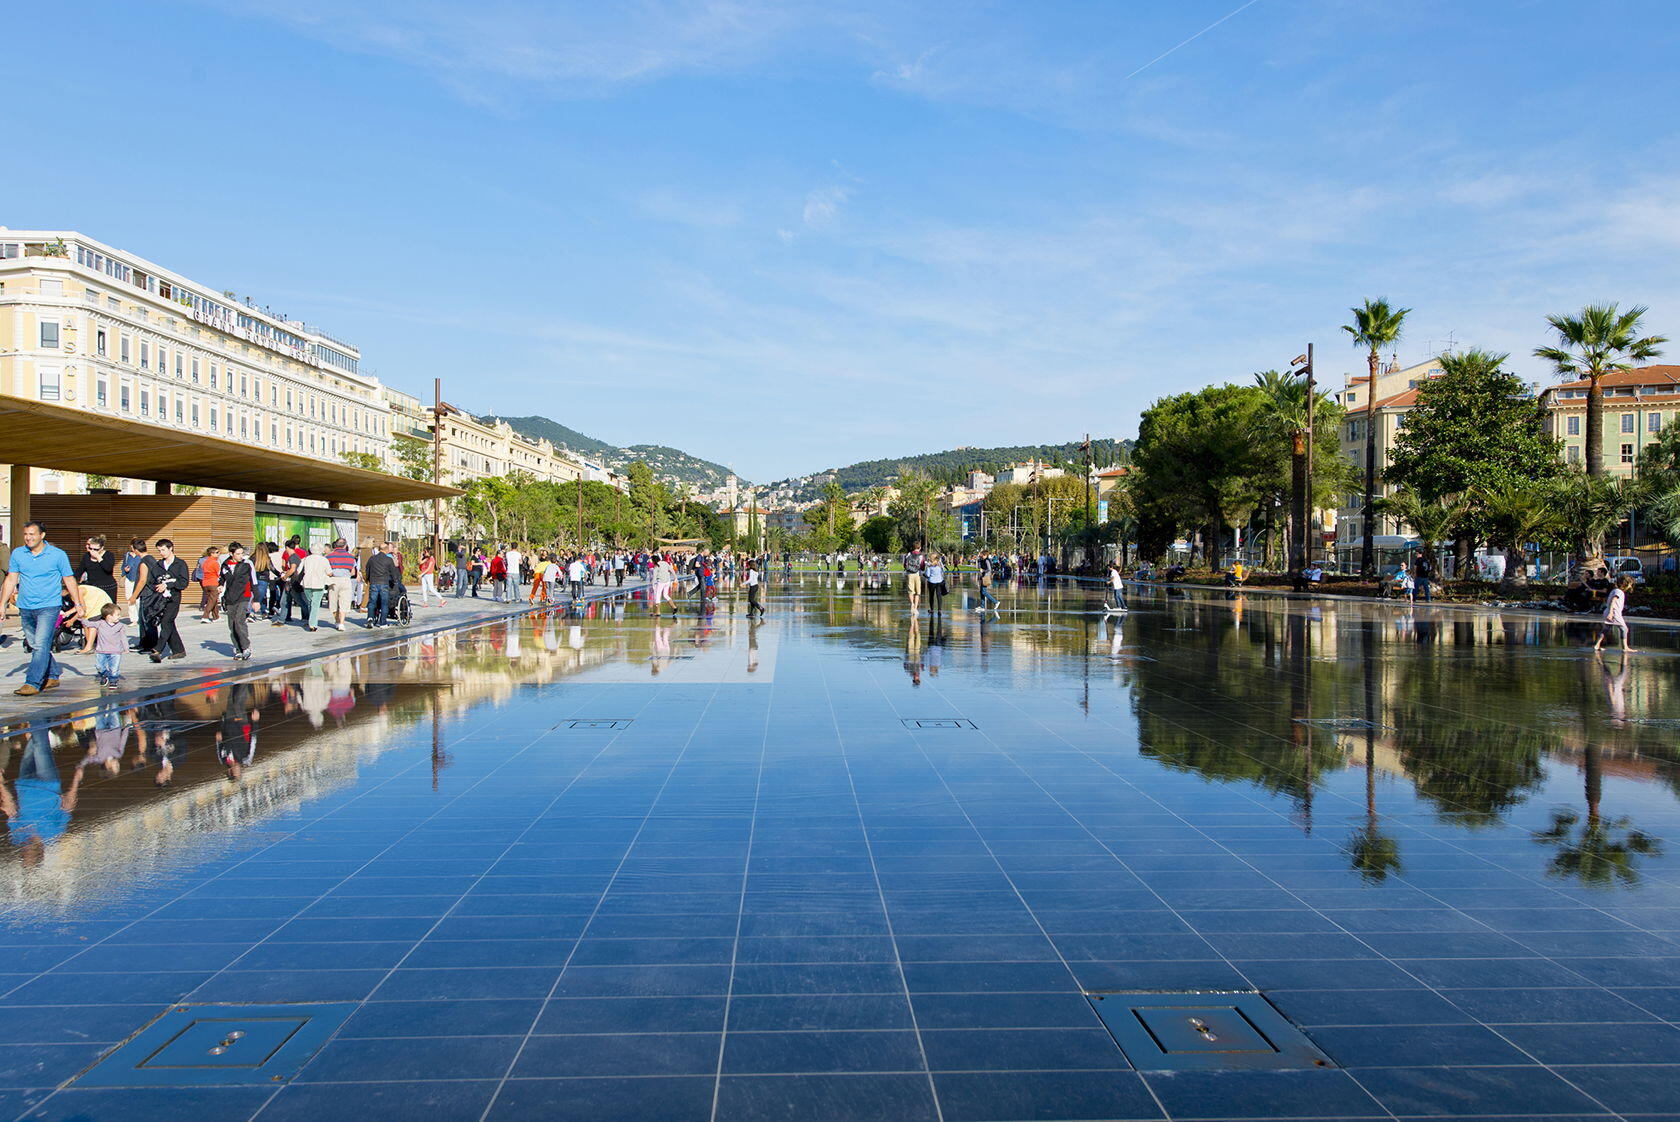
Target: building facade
column 91, row 327
column 1393, row 394
column 1637, row 404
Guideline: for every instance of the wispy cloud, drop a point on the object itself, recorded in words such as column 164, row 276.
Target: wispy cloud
column 823, row 205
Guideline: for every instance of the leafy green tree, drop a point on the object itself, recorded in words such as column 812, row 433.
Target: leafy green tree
column 413, row 457
column 1474, row 429
column 368, row 461
column 1432, row 520
column 1591, row 506
column 1198, row 459
column 879, row 534
column 1599, row 341
column 1517, row 512
column 649, row 502
column 1376, row 326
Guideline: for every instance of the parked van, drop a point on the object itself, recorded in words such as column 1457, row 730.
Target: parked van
column 1627, row 567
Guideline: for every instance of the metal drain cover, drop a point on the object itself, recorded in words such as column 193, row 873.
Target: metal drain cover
column 219, row 1045
column 1203, row 1032
column 938, row 723
column 595, row 725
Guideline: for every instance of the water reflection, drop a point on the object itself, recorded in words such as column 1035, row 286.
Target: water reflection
column 1362, row 723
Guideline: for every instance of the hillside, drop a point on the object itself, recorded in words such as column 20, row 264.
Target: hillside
column 671, row 464
column 952, row 465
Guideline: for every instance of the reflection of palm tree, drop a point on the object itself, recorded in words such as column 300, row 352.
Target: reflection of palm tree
column 1602, row 852
column 1371, row 853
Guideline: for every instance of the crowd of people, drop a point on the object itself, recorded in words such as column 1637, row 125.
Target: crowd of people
column 110, row 606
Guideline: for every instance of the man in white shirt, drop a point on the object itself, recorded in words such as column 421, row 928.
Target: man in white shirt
column 514, row 560
column 576, row 572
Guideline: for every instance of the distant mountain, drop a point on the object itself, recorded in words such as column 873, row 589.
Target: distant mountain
column 953, row 465
column 670, row 464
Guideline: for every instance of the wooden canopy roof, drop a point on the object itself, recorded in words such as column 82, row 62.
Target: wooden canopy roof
column 43, row 435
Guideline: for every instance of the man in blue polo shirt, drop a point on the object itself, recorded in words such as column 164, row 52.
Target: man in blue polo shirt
column 41, row 577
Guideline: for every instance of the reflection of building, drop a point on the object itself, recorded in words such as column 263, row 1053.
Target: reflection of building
column 1637, row 403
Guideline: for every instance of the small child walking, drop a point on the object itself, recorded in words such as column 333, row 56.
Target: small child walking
column 1614, row 621
column 110, row 640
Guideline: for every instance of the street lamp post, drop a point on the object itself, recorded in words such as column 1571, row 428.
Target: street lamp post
column 1304, row 502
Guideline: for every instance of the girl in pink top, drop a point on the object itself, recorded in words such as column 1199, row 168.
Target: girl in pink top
column 1613, row 619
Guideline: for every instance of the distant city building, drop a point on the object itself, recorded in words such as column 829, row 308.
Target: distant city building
column 1027, row 472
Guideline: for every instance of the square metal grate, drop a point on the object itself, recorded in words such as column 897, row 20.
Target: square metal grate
column 595, row 724
column 219, row 1045
column 1344, row 724
column 1203, row 1032
column 919, row 723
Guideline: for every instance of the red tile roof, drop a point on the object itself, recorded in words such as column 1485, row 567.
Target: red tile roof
column 1638, row 376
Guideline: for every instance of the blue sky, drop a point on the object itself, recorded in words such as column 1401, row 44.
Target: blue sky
column 788, row 236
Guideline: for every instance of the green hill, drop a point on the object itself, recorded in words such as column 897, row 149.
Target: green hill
column 667, row 462
column 953, row 465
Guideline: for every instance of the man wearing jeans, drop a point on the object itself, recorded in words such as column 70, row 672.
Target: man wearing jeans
column 383, row 578
column 40, row 578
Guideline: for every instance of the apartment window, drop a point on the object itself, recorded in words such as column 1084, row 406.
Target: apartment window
column 122, row 349
column 195, row 414
column 214, row 420
column 113, row 303
column 49, row 335
column 99, row 343
column 51, row 287
column 1627, row 453
column 212, row 375
column 243, row 427
column 1653, row 422
column 145, row 356
column 1574, row 426
column 177, row 364
column 274, row 433
column 145, row 402
column 92, row 296
column 49, row 385
column 195, row 371
column 1627, row 422
column 101, row 390
column 274, row 395
column 244, row 386
column 178, row 409
column 122, row 399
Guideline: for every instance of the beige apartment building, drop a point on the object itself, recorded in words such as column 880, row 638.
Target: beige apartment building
column 1394, row 393
column 87, row 326
column 1637, row 404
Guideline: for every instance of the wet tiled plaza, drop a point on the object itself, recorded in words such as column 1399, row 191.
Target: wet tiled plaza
column 849, row 864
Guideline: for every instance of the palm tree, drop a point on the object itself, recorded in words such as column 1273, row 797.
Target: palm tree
column 1432, row 520
column 1590, row 506
column 1600, row 340
column 1375, row 326
column 1516, row 513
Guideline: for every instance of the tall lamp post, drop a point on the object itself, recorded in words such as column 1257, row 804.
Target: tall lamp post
column 440, row 410
column 1305, row 362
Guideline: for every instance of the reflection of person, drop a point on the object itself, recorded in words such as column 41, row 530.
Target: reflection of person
column 41, row 812
column 1615, row 688
column 913, row 654
column 236, row 736
column 752, row 643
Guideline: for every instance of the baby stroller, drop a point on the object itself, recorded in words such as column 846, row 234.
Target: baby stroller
column 402, row 612
column 67, row 634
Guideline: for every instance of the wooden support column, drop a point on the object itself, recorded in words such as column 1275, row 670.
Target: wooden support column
column 20, row 504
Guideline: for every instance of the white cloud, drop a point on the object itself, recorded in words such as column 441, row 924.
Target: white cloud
column 824, row 204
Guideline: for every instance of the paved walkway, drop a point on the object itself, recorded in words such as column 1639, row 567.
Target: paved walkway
column 208, row 651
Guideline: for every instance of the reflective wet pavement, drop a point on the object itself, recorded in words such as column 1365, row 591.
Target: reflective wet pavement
column 845, row 865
